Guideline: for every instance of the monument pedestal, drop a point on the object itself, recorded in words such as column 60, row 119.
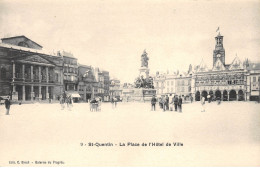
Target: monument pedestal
column 144, row 71
column 143, row 94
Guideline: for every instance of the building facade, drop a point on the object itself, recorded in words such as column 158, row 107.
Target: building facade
column 27, row 73
column 225, row 81
column 170, row 84
column 159, row 83
column 106, row 85
column 88, row 85
column 70, row 71
column 183, row 85
column 115, row 89
column 253, row 82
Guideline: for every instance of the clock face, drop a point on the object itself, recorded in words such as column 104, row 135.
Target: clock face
column 218, row 55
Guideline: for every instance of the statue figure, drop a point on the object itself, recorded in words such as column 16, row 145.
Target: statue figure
column 144, row 59
column 140, row 82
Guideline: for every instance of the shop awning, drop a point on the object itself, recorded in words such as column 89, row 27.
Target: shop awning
column 74, row 94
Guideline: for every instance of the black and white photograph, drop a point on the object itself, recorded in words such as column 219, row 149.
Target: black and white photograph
column 94, row 83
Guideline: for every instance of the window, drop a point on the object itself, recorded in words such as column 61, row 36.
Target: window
column 23, row 44
column 254, row 79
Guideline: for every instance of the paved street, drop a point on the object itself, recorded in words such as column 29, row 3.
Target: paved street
column 216, row 137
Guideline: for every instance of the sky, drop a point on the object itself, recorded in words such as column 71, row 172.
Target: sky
column 112, row 35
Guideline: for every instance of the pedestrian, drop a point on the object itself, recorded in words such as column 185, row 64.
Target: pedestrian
column 112, row 102
column 163, row 103
column 98, row 99
column 218, row 100
column 7, row 105
column 203, row 104
column 208, row 97
column 167, row 102
column 171, row 103
column 175, row 102
column 160, row 102
column 62, row 101
column 115, row 102
column 153, row 103
column 191, row 99
column 69, row 102
column 180, row 104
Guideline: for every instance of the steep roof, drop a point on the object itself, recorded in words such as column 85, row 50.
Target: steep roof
column 218, row 66
column 202, row 67
column 236, row 64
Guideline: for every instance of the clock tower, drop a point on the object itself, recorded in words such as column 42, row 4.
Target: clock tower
column 219, row 52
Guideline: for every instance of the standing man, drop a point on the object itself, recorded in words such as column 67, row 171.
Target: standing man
column 180, row 104
column 203, row 104
column 167, row 102
column 7, row 105
column 153, row 102
column 115, row 102
column 175, row 102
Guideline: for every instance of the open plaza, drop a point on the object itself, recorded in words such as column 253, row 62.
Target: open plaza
column 226, row 134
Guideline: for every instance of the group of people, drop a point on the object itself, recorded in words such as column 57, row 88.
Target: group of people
column 66, row 99
column 114, row 101
column 95, row 104
column 167, row 103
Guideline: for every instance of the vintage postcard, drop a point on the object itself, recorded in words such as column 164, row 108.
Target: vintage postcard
column 88, row 83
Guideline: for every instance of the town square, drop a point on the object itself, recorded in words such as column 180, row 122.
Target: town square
column 129, row 84
column 220, row 136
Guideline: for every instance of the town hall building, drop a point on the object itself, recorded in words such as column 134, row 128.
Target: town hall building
column 224, row 81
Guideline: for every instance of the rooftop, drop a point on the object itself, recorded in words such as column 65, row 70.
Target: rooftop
column 21, row 36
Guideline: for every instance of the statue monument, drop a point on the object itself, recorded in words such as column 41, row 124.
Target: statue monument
column 144, row 59
column 144, row 70
column 144, row 88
